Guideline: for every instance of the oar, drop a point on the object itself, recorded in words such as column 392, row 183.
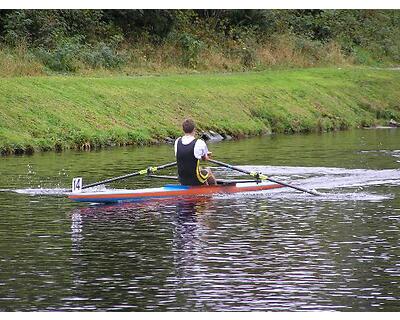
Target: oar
column 260, row 176
column 137, row 173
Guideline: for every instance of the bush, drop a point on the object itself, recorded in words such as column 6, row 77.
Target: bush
column 70, row 54
column 312, row 48
column 64, row 58
column 363, row 56
column 191, row 48
column 103, row 56
column 248, row 57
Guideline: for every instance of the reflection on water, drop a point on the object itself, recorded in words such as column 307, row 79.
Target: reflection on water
column 280, row 250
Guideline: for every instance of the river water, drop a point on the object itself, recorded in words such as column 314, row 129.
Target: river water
column 279, row 250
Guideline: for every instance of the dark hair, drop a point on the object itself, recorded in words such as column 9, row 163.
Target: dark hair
column 188, row 126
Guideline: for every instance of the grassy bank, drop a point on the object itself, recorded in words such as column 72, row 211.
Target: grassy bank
column 54, row 113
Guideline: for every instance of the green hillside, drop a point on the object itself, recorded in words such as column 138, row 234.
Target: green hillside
column 53, row 113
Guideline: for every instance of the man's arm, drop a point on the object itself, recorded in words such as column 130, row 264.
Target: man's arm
column 201, row 150
column 206, row 156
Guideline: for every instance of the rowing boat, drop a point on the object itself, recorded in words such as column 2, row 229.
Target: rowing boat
column 169, row 191
column 259, row 182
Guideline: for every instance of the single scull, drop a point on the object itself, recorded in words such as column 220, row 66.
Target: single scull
column 259, row 182
column 168, row 191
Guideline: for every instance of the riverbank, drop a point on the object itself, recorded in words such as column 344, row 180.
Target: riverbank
column 56, row 113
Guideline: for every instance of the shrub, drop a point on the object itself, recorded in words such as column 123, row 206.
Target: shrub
column 191, row 48
column 248, row 57
column 64, row 58
column 70, row 54
column 310, row 48
column 103, row 56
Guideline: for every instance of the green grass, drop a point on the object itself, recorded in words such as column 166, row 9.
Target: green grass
column 54, row 113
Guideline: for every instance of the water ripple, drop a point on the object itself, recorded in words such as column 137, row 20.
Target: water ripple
column 270, row 251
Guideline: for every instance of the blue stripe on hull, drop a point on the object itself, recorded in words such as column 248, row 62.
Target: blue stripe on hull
column 168, row 187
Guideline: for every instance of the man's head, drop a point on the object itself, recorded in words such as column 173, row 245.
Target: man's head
column 188, row 126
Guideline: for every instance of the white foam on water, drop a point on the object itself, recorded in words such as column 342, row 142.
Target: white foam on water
column 325, row 178
column 393, row 153
column 51, row 191
column 336, row 196
column 291, row 194
column 42, row 191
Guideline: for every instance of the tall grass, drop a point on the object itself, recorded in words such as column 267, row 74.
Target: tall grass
column 19, row 62
column 176, row 55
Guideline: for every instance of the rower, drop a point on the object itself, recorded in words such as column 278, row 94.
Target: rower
column 189, row 151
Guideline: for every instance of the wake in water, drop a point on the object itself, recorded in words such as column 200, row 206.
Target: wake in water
column 50, row 191
column 391, row 153
column 290, row 194
column 43, row 191
column 331, row 180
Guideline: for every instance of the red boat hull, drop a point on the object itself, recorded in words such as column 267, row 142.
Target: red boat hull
column 168, row 191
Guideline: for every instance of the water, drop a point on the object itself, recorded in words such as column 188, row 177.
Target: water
column 280, row 250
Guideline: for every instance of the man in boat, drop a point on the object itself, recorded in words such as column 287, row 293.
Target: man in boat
column 189, row 151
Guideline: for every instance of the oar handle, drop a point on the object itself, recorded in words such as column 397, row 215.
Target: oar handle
column 262, row 177
column 137, row 173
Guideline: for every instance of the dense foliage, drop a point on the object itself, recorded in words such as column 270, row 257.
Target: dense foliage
column 73, row 40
